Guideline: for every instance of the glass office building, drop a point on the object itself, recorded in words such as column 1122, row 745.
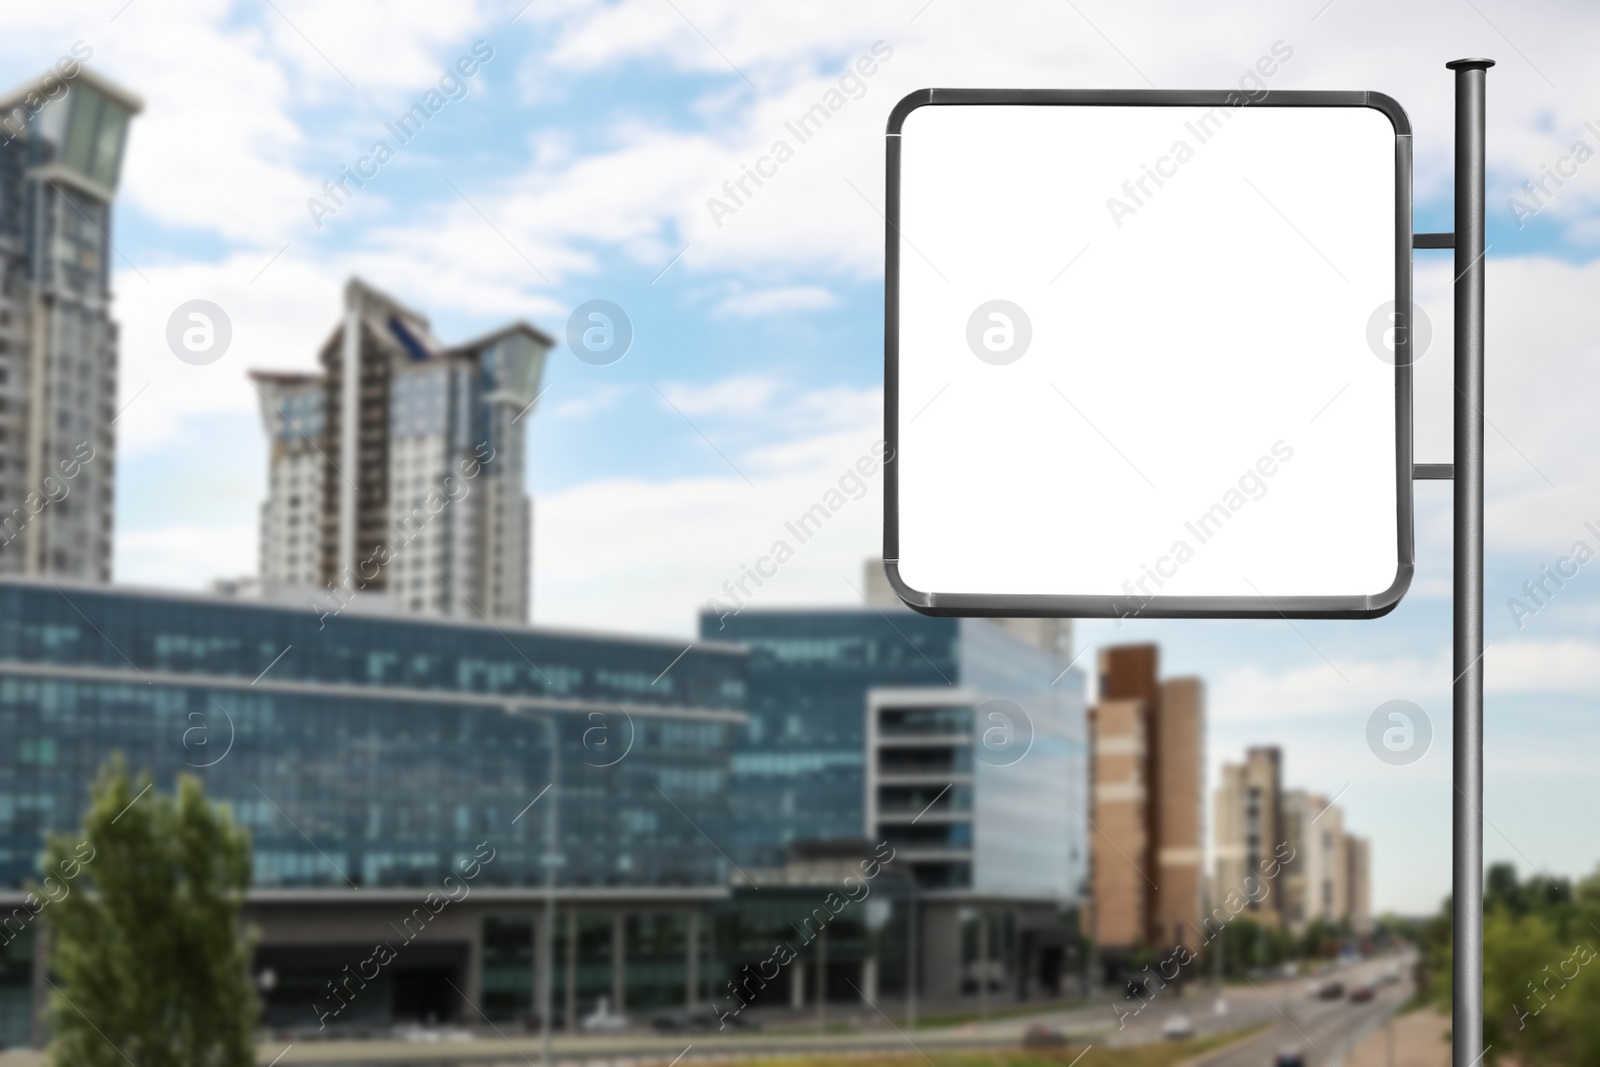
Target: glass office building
column 799, row 770
column 954, row 742
column 368, row 756
column 371, row 754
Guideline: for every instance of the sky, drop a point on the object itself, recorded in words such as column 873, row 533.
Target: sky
column 578, row 162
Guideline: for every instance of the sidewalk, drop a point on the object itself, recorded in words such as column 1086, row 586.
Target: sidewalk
column 1419, row 1041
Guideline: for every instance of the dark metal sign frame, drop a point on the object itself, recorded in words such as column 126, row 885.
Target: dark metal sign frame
column 1357, row 606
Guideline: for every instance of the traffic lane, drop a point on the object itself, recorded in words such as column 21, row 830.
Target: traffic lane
column 1321, row 1032
column 1246, row 1006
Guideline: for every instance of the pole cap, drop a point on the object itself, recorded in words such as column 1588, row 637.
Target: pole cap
column 1469, row 64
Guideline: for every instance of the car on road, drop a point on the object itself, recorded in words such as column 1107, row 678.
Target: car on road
column 1040, row 1035
column 1177, row 1027
column 1332, row 989
column 1289, row 1057
column 603, row 1020
column 604, row 1024
column 1360, row 994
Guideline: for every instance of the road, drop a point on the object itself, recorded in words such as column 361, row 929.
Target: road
column 1320, row 1028
column 1281, row 1004
column 1323, row 1030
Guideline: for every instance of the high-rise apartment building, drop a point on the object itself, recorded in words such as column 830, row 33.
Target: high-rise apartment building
column 1326, row 868
column 1299, row 809
column 1179, row 806
column 1250, row 842
column 398, row 471
column 61, row 142
column 1330, row 877
column 1358, row 882
column 1148, row 774
column 1121, row 878
column 291, row 528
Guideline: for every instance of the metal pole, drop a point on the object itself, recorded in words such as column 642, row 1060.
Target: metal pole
column 983, row 965
column 1467, row 702
column 550, row 850
column 822, row 980
column 911, row 952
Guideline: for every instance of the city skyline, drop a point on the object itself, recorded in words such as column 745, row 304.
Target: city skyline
column 641, row 521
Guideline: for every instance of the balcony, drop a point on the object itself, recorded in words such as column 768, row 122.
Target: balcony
column 951, row 724
column 946, row 763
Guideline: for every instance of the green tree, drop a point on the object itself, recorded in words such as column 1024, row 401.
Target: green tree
column 149, row 961
column 1541, row 968
column 1324, row 938
column 1244, row 946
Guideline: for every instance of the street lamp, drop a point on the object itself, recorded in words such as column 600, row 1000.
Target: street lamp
column 545, row 975
column 911, row 959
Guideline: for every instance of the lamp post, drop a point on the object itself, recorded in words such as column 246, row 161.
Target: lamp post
column 911, row 959
column 547, row 943
column 545, row 975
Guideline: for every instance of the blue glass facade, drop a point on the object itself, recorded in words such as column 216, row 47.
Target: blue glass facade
column 374, row 753
column 797, row 769
column 1031, row 776
column 799, row 773
column 367, row 751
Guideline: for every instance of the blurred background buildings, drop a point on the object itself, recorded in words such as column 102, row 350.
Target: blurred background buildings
column 1149, row 807
column 375, row 710
column 441, row 523
column 61, row 145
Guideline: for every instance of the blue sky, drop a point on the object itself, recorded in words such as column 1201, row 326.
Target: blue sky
column 578, row 165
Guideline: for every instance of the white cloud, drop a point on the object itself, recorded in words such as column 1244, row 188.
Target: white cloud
column 1343, row 687
column 1568, row 666
column 778, row 300
column 648, row 555
column 186, row 555
column 741, row 397
column 598, row 399
column 278, row 322
column 1354, row 686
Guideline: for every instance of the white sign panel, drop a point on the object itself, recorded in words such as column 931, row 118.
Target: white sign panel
column 1143, row 355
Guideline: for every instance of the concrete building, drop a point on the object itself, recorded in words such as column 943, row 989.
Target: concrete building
column 1327, row 866
column 1329, row 879
column 1358, row 880
column 1298, row 811
column 422, row 503
column 1337, row 870
column 1148, row 795
column 292, row 408
column 1179, row 844
column 61, row 144
column 1250, row 832
column 1120, row 879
